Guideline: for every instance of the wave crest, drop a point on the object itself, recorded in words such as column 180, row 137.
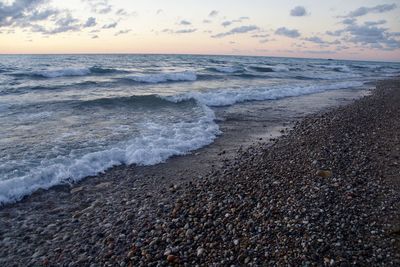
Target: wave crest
column 164, row 77
column 226, row 97
column 267, row 68
column 226, row 69
column 62, row 72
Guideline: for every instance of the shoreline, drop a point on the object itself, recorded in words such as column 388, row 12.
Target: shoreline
column 119, row 221
column 242, row 125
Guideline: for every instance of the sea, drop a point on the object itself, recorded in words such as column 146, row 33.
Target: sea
column 66, row 117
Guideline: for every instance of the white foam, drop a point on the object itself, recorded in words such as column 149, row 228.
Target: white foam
column 227, row 69
column 35, row 116
column 225, row 97
column 164, row 77
column 54, row 73
column 342, row 68
column 280, row 68
column 156, row 144
column 329, row 76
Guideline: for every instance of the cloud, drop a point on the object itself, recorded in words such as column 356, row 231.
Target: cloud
column 207, row 21
column 159, row 11
column 179, row 31
column 185, row 31
column 121, row 12
column 230, row 22
column 376, row 37
column 91, row 22
column 373, row 23
column 349, row 21
column 39, row 15
column 22, row 12
column 361, row 11
column 334, row 33
column 315, row 39
column 237, row 30
column 320, row 41
column 122, row 32
column 341, row 47
column 298, row 11
column 226, row 23
column 368, row 35
column 110, row 25
column 99, row 6
column 185, row 22
column 95, row 36
column 323, row 52
column 263, row 41
column 64, row 24
column 260, row 35
column 287, row 32
column 213, row 13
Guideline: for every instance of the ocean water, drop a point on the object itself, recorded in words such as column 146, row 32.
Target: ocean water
column 65, row 117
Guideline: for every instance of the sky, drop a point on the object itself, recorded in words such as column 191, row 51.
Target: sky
column 341, row 29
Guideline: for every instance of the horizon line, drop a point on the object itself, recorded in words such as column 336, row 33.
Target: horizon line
column 188, row 54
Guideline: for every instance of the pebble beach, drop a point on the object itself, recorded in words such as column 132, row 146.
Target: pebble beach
column 324, row 193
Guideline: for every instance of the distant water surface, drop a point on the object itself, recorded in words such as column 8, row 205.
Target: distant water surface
column 65, row 117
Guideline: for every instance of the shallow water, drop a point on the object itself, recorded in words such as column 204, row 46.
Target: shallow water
column 65, row 117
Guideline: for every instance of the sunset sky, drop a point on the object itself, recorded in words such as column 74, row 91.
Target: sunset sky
column 356, row 29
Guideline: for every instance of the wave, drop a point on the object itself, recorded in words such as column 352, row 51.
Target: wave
column 101, row 70
column 151, row 101
column 155, row 144
column 228, row 97
column 338, row 68
column 226, row 69
column 163, row 77
column 66, row 72
column 35, row 116
column 4, row 106
column 277, row 68
column 329, row 76
column 62, row 72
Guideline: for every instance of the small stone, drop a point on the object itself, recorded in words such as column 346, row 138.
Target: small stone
column 189, row 233
column 46, row 262
column 167, row 252
column 200, row 251
column 77, row 189
column 324, row 173
column 103, row 185
column 172, row 258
